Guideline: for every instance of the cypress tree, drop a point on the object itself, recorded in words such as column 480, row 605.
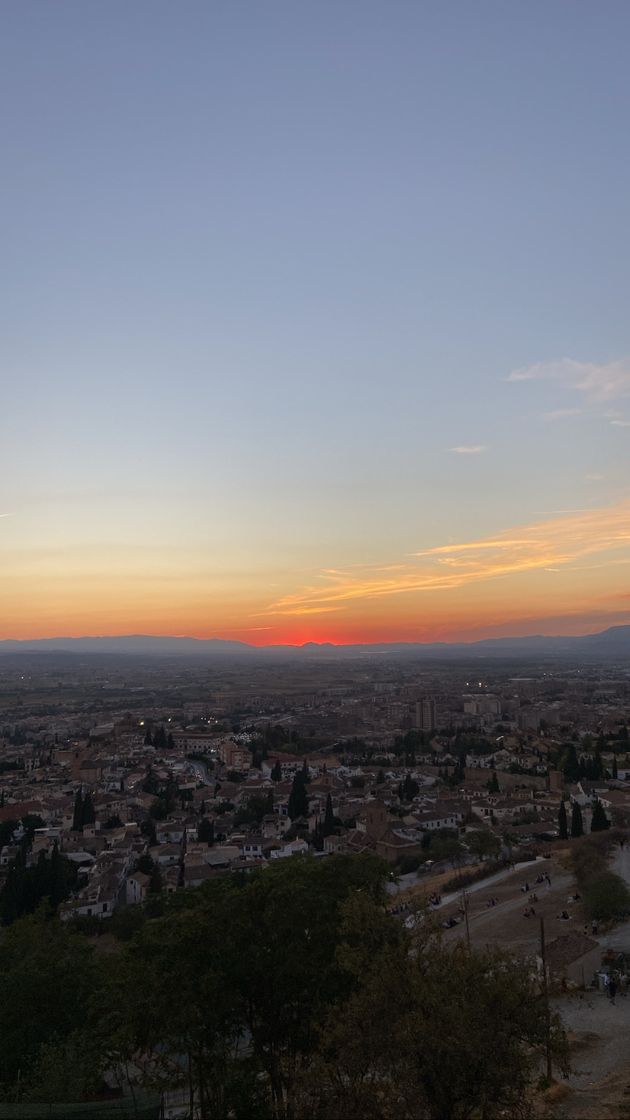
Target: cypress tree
column 329, row 818
column 77, row 816
column 276, row 772
column 155, row 881
column 599, row 821
column 89, row 815
column 577, row 824
column 615, row 771
column 571, row 768
column 205, row 831
column 563, row 830
column 298, row 798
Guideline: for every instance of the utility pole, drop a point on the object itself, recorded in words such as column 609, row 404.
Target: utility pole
column 545, row 988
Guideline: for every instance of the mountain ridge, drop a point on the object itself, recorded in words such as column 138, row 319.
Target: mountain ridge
column 612, row 641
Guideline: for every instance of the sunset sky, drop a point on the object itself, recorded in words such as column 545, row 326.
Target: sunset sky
column 315, row 319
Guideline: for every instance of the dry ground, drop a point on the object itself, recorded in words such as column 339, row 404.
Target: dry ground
column 504, row 924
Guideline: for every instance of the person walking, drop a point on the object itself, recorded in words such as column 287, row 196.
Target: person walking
column 612, row 990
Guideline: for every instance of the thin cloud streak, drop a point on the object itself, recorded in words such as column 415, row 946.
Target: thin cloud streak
column 561, row 414
column 474, row 449
column 544, row 545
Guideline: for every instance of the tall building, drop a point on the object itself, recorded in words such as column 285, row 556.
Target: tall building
column 425, row 715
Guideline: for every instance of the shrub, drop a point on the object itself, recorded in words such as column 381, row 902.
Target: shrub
column 408, row 864
column 606, row 897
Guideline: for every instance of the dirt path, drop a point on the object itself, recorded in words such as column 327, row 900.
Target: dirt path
column 600, row 1056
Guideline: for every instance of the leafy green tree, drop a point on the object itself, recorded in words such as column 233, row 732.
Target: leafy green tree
column 7, row 828
column 599, row 820
column 483, row 843
column 276, row 772
column 606, row 897
column 387, row 1052
column 563, row 828
column 144, row 863
column 48, row 978
column 577, row 823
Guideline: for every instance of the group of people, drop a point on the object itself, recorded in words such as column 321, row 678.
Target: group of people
column 402, row 908
column 435, row 899
column 543, row 878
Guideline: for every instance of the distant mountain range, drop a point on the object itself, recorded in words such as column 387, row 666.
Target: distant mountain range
column 613, row 643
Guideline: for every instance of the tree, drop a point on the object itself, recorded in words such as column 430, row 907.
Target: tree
column 615, row 770
column 481, row 1005
column 155, row 880
column 77, row 816
column 410, row 788
column 577, row 824
column 159, row 739
column 606, row 897
column 483, row 843
column 144, row 863
column 147, row 829
column 329, row 818
column 493, row 784
column 49, row 980
column 570, row 764
column 205, row 831
column 298, row 798
column 276, row 772
column 599, row 820
column 89, row 815
column 563, row 829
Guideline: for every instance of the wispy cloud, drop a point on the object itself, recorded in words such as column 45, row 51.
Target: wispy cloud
column 620, row 423
column 561, row 414
column 552, row 544
column 599, row 382
column 472, row 449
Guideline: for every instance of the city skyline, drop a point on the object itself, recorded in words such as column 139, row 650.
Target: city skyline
column 315, row 321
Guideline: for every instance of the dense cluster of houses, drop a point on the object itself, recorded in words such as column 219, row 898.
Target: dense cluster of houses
column 229, row 811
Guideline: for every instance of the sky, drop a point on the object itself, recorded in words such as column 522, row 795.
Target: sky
column 314, row 319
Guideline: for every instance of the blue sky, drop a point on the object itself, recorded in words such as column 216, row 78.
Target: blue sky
column 266, row 264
